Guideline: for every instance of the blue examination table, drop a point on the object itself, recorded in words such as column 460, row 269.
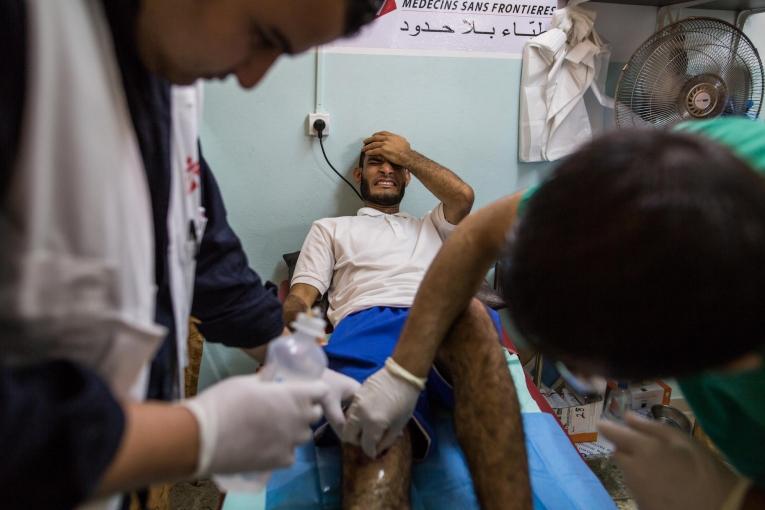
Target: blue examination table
column 560, row 480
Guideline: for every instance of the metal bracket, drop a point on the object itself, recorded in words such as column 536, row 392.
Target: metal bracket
column 664, row 16
column 744, row 15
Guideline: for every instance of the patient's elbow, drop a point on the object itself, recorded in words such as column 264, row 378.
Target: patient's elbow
column 469, row 196
column 466, row 200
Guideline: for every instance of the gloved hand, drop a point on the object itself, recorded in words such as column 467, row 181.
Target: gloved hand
column 381, row 408
column 341, row 389
column 247, row 424
column 665, row 468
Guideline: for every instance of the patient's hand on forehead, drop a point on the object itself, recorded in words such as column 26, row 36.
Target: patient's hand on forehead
column 393, row 148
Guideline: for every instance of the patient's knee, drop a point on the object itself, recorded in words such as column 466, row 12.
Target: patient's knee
column 473, row 328
column 472, row 336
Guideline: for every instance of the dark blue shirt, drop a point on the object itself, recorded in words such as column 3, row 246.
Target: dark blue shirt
column 59, row 430
column 229, row 298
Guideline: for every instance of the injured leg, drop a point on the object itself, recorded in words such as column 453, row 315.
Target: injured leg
column 381, row 483
column 486, row 412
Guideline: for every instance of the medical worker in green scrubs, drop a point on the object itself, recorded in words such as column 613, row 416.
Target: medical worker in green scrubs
column 642, row 256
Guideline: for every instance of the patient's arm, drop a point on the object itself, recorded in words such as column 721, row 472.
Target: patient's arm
column 456, row 195
column 453, row 192
column 381, row 483
column 301, row 297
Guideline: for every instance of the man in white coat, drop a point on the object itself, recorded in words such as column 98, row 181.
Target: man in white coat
column 111, row 220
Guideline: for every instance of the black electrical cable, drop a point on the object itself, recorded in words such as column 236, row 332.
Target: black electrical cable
column 321, row 143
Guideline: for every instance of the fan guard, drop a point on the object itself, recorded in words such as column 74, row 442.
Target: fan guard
column 697, row 68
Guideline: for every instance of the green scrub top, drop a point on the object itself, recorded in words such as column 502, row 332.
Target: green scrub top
column 525, row 197
column 729, row 406
column 731, row 409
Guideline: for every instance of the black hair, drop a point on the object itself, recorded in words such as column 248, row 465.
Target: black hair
column 360, row 12
column 645, row 253
column 361, row 159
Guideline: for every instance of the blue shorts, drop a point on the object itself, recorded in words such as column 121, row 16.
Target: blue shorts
column 359, row 347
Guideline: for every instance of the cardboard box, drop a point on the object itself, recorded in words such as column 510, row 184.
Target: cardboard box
column 647, row 394
column 579, row 418
column 595, row 449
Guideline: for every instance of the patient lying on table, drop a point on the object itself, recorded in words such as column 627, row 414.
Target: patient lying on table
column 371, row 265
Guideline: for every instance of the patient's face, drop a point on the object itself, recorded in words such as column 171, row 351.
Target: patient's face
column 383, row 183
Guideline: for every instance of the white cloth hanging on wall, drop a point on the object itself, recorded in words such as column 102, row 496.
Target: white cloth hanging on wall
column 559, row 66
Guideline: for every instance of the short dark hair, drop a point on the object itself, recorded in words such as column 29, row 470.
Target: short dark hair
column 361, row 160
column 644, row 252
column 360, row 12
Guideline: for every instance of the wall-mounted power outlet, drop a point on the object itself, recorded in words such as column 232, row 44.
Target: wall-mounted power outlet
column 313, row 117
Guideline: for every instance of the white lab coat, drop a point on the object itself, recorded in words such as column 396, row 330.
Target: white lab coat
column 186, row 212
column 77, row 258
column 78, row 237
column 559, row 66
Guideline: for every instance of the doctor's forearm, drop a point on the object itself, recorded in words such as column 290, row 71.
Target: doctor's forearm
column 452, row 280
column 160, row 444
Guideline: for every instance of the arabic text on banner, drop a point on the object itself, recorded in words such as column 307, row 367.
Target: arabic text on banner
column 453, row 26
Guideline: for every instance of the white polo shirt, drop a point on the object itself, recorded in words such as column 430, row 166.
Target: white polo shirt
column 371, row 259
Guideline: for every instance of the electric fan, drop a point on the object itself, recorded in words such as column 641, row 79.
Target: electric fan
column 697, row 68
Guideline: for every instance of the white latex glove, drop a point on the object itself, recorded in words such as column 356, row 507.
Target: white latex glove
column 665, row 468
column 341, row 389
column 247, row 424
column 381, row 409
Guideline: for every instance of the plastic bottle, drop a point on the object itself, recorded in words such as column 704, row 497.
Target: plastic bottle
column 619, row 401
column 298, row 357
column 295, row 357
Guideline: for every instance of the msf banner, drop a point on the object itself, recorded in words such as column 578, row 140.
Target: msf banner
column 450, row 27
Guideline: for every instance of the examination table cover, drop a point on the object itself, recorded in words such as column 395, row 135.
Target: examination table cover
column 559, row 477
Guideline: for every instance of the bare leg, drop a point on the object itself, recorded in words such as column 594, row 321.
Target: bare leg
column 381, row 483
column 486, row 412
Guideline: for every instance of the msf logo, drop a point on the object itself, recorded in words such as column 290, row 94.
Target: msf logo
column 388, row 6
